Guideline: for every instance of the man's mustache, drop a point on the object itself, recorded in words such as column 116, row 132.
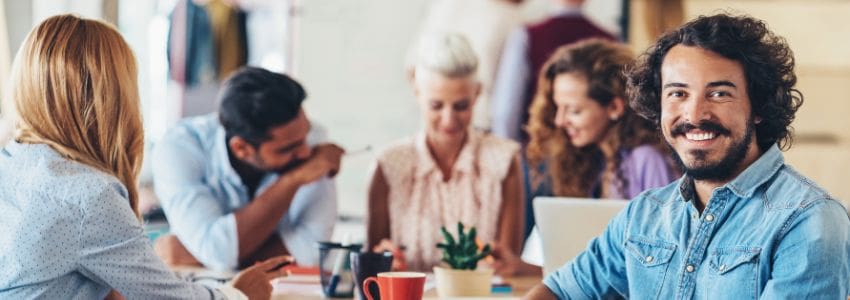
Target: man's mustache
column 683, row 127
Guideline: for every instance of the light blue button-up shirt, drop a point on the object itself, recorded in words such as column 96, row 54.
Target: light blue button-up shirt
column 768, row 234
column 200, row 191
column 67, row 232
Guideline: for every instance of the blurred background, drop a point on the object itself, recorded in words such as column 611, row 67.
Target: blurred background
column 350, row 56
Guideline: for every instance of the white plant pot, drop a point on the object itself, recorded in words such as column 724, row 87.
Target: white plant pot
column 463, row 283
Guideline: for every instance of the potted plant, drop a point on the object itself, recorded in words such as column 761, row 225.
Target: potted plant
column 462, row 255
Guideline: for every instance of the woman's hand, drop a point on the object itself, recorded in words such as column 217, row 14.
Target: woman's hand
column 255, row 281
column 399, row 261
column 506, row 263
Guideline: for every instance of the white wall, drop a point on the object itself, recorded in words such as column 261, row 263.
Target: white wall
column 349, row 55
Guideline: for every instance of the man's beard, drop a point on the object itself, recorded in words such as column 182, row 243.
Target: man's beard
column 289, row 166
column 295, row 163
column 723, row 169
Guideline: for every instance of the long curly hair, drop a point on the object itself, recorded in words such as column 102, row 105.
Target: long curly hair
column 768, row 65
column 574, row 171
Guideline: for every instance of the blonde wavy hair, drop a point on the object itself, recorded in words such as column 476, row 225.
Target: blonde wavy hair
column 73, row 87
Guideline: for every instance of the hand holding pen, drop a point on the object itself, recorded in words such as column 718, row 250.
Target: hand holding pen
column 325, row 160
column 254, row 281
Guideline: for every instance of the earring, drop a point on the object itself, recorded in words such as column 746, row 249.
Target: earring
column 614, row 117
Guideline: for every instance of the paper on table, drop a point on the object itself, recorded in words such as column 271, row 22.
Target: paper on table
column 431, row 282
column 305, row 285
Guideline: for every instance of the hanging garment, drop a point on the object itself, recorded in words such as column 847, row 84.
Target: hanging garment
column 190, row 33
column 229, row 33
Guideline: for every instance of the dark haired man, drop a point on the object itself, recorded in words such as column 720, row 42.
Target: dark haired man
column 250, row 183
column 740, row 223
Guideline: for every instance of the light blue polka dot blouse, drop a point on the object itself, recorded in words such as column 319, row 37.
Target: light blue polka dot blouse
column 67, row 232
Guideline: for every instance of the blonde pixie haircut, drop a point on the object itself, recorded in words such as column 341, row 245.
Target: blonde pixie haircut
column 447, row 54
column 73, row 87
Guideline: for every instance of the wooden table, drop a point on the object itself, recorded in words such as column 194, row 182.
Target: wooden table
column 519, row 286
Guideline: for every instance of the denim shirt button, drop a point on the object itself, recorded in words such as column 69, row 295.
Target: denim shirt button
column 709, row 217
column 689, row 268
column 722, row 268
column 649, row 258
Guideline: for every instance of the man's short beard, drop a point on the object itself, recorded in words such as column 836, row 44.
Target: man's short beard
column 260, row 165
column 724, row 169
column 295, row 163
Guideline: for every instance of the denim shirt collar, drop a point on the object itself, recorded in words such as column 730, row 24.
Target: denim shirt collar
column 745, row 184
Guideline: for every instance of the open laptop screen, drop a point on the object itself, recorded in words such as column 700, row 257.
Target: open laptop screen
column 567, row 225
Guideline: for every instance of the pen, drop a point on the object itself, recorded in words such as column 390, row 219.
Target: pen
column 357, row 152
column 336, row 274
column 280, row 265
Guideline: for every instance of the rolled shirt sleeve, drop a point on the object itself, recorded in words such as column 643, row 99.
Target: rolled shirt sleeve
column 195, row 214
column 310, row 219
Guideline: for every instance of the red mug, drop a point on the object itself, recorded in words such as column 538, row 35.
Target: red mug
column 397, row 285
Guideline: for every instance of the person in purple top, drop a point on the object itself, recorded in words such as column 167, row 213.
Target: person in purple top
column 585, row 141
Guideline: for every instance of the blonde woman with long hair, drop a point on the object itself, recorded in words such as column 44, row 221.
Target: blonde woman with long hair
column 71, row 226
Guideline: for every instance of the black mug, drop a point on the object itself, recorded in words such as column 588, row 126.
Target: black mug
column 368, row 264
column 336, row 276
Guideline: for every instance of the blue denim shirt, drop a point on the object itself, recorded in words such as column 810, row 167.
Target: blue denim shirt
column 770, row 233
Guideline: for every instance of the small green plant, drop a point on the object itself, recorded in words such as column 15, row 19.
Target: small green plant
column 463, row 253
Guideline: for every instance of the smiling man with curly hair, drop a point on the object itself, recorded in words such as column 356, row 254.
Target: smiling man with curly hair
column 740, row 224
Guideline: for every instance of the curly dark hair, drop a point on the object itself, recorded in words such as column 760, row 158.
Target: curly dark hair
column 574, row 171
column 767, row 61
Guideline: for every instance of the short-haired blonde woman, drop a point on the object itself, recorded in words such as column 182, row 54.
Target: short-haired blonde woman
column 70, row 221
column 448, row 173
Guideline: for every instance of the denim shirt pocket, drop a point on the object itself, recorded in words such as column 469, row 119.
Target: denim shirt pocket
column 727, row 259
column 650, row 258
column 733, row 272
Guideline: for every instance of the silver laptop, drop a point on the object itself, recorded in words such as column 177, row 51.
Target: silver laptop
column 567, row 225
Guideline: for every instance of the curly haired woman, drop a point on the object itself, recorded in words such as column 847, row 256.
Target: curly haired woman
column 585, row 141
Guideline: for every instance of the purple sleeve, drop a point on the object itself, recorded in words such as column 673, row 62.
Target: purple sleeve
column 646, row 168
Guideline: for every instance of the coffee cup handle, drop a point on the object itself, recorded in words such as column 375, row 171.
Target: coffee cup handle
column 366, row 287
